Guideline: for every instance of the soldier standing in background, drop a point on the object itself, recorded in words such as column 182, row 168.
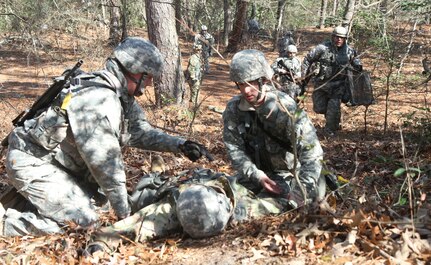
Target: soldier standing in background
column 194, row 74
column 332, row 59
column 206, row 40
column 287, row 70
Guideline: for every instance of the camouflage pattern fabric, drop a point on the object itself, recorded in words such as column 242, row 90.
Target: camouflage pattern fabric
column 160, row 218
column 330, row 82
column 288, row 84
column 207, row 41
column 60, row 159
column 254, row 153
column 194, row 69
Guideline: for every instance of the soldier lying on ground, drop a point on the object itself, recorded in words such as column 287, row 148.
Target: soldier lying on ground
column 70, row 154
column 201, row 204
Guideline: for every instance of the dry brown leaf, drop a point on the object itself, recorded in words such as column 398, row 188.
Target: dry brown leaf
column 257, row 254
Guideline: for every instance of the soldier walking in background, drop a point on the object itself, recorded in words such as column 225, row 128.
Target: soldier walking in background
column 332, row 59
column 194, row 74
column 287, row 70
column 206, row 40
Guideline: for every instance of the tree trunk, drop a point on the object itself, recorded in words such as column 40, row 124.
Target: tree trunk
column 280, row 14
column 323, row 14
column 334, row 8
column 114, row 22
column 169, row 87
column 178, row 16
column 348, row 14
column 238, row 25
column 227, row 25
column 124, row 19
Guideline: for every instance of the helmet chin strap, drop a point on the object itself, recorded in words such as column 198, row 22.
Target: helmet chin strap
column 260, row 84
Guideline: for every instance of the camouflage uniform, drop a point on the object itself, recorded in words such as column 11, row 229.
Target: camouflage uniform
column 194, row 73
column 259, row 141
column 331, row 81
column 206, row 40
column 62, row 158
column 160, row 218
column 288, row 84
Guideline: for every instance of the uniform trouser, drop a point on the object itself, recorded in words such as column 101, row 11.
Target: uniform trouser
column 194, row 91
column 327, row 100
column 205, row 57
column 55, row 194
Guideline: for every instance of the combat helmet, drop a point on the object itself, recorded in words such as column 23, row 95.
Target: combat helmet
column 292, row 48
column 204, row 28
column 137, row 55
column 202, row 211
column 249, row 65
column 340, row 32
column 197, row 47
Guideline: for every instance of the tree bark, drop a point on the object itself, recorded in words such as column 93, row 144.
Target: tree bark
column 178, row 16
column 114, row 22
column 334, row 8
column 280, row 14
column 323, row 13
column 238, row 25
column 348, row 14
column 169, row 87
column 227, row 17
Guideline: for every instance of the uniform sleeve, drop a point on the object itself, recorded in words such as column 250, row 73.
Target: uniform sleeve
column 145, row 136
column 235, row 146
column 312, row 57
column 309, row 151
column 275, row 67
column 94, row 119
column 193, row 67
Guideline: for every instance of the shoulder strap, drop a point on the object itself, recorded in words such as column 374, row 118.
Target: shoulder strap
column 285, row 144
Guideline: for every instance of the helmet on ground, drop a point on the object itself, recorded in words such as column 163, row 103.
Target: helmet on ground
column 292, row 48
column 197, row 47
column 138, row 55
column 340, row 32
column 202, row 211
column 204, row 27
column 249, row 65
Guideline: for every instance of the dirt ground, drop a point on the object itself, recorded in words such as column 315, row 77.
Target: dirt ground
column 369, row 225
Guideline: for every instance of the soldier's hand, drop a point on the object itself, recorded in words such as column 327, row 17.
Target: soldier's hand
column 194, row 151
column 270, row 185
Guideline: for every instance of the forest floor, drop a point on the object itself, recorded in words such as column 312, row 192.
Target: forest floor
column 377, row 165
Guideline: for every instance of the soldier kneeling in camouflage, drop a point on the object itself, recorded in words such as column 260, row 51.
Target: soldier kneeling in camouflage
column 268, row 138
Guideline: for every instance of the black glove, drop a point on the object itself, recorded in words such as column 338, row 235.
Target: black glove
column 358, row 67
column 194, row 151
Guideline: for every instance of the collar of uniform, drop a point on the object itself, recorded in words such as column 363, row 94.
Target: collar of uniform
column 244, row 105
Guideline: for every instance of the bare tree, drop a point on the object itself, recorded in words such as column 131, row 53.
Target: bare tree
column 169, row 87
column 348, row 14
column 334, row 8
column 280, row 14
column 238, row 25
column 323, row 13
column 227, row 17
column 115, row 22
column 178, row 16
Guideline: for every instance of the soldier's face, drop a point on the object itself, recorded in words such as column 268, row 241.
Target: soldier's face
column 338, row 41
column 250, row 91
column 136, row 83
